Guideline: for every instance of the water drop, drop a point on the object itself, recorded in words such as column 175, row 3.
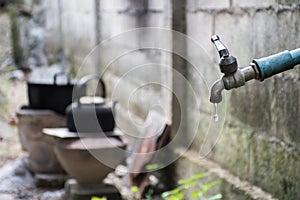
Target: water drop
column 216, row 116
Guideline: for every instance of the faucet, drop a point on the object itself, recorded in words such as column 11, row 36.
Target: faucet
column 259, row 69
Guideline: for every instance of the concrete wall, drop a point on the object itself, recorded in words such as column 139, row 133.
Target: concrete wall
column 87, row 38
column 259, row 142
column 129, row 60
column 260, row 139
column 71, row 33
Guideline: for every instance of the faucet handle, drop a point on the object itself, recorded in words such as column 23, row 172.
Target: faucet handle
column 228, row 63
column 223, row 51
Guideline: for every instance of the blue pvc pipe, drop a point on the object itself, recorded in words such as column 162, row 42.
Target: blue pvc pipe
column 277, row 63
column 296, row 56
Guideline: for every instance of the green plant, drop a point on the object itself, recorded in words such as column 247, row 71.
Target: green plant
column 153, row 167
column 199, row 191
column 149, row 194
column 98, row 198
column 134, row 189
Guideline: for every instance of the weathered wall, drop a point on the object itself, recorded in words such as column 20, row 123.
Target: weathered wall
column 71, row 33
column 260, row 140
column 128, row 61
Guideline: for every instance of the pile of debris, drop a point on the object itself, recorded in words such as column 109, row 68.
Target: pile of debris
column 17, row 182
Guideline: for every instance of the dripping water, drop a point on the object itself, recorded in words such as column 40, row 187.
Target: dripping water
column 216, row 116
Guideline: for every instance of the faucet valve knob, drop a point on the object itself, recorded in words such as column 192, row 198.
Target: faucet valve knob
column 223, row 51
column 228, row 63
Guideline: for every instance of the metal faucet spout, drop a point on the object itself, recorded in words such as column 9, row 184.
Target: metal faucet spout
column 216, row 91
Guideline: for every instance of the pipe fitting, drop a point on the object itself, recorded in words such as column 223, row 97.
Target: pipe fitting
column 228, row 82
column 234, row 80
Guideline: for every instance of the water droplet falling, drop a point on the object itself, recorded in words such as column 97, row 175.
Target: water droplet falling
column 216, row 116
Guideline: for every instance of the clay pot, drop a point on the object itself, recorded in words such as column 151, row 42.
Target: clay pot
column 42, row 158
column 77, row 157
